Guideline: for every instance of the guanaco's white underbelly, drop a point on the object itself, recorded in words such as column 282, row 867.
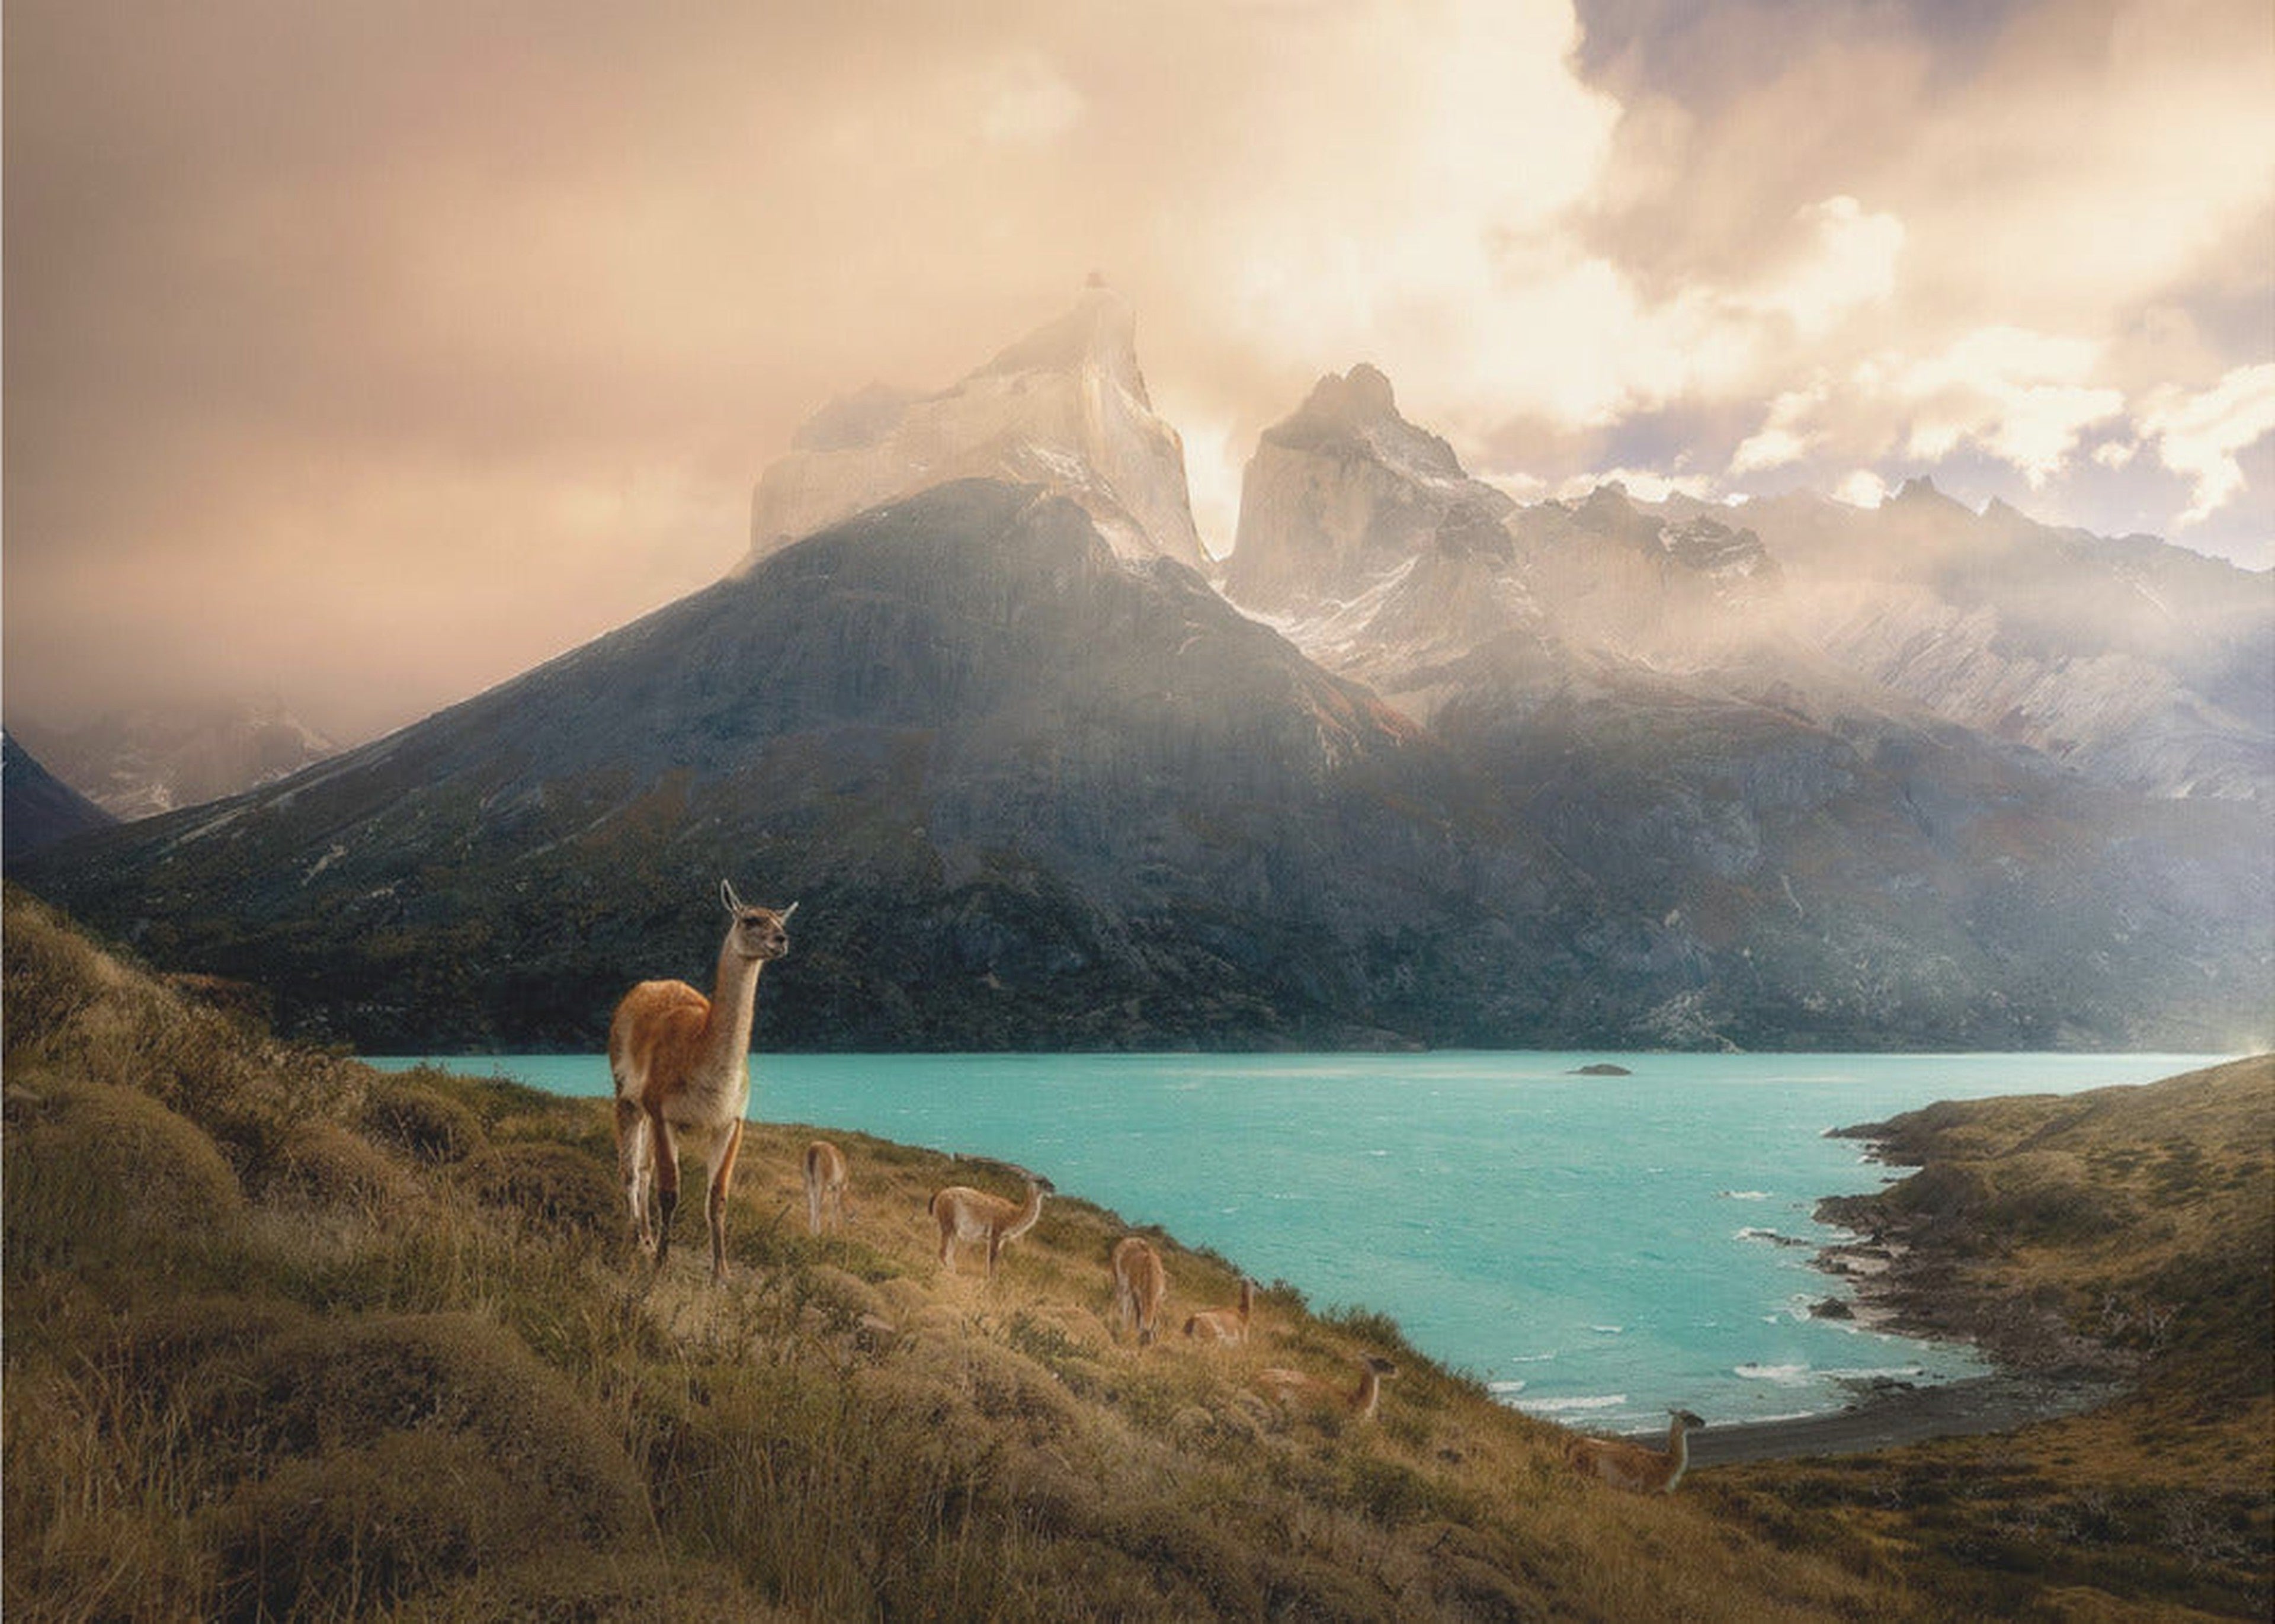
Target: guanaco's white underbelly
column 971, row 1226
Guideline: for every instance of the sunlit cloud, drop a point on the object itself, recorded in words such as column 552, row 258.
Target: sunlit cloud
column 1850, row 261
column 381, row 301
column 1862, row 488
column 2199, row 435
column 1782, row 438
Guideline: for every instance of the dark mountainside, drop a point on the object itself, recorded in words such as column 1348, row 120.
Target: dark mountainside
column 1600, row 774
column 1027, row 795
column 41, row 808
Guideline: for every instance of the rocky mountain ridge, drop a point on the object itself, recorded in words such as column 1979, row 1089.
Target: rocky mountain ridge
column 2138, row 665
column 1491, row 776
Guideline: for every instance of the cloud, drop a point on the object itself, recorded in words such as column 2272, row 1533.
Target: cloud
column 1861, row 488
column 1783, row 439
column 1851, row 261
column 361, row 308
column 1028, row 103
column 2017, row 395
column 2199, row 435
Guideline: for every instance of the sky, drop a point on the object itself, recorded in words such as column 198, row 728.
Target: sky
column 365, row 354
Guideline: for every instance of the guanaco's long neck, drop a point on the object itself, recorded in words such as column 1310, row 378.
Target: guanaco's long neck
column 1028, row 1214
column 734, row 1000
column 1678, row 1451
column 1247, row 1299
column 1369, row 1394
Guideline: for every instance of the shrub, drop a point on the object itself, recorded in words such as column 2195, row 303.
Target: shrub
column 338, row 1385
column 556, row 1186
column 380, row 1523
column 421, row 1120
column 325, row 1165
column 93, row 1171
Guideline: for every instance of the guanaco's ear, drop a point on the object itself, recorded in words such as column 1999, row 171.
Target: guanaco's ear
column 728, row 900
column 787, row 911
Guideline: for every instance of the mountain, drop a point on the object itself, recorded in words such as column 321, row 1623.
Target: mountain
column 1030, row 793
column 2134, row 662
column 40, row 808
column 1666, row 698
column 1577, row 773
column 2138, row 665
column 1065, row 408
column 155, row 759
column 1346, row 489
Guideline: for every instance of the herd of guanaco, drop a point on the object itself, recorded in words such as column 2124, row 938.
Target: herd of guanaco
column 680, row 1064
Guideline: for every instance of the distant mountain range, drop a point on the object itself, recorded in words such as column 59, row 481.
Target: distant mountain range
column 1609, row 773
column 159, row 757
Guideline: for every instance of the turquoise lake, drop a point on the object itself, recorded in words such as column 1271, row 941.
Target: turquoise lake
column 1598, row 1249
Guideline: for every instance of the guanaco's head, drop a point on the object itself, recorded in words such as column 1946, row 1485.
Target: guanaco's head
column 1686, row 1418
column 756, row 933
column 1382, row 1367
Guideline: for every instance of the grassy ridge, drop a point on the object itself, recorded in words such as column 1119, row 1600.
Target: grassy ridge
column 289, row 1338
column 2128, row 1231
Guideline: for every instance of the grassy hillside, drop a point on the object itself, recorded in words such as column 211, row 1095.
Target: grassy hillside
column 286, row 1337
column 2127, row 1231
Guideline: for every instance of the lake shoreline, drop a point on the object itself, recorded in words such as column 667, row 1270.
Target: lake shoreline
column 1909, row 1275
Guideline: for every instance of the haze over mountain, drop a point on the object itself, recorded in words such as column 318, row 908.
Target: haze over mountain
column 1065, row 408
column 2142, row 665
column 1038, row 783
column 157, row 758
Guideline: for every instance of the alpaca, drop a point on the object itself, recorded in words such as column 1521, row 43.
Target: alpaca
column 966, row 1214
column 1140, row 1282
column 1224, row 1324
column 824, row 1185
column 1632, row 1466
column 681, row 1062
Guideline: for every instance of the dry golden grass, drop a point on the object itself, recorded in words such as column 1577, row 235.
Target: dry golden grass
column 389, row 1353
column 2136, row 1224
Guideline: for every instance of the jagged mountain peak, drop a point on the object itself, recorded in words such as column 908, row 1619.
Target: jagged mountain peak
column 1065, row 408
column 1918, row 494
column 1362, row 394
column 1356, row 414
column 1098, row 333
column 1344, row 489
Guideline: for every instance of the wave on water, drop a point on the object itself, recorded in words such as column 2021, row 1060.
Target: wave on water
column 1783, row 1375
column 1608, row 1330
column 1743, row 1195
column 1561, row 1407
column 1504, row 1389
column 1528, row 1358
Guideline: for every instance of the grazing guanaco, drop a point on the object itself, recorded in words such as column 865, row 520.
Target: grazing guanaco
column 1224, row 1324
column 1140, row 1282
column 968, row 1214
column 1633, row 1466
column 824, row 1185
column 682, row 1068
column 1359, row 1403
